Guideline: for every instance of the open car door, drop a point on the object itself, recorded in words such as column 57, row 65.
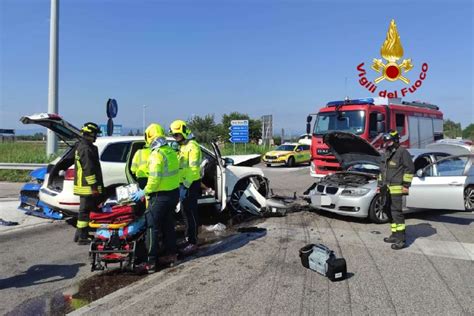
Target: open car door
column 221, row 178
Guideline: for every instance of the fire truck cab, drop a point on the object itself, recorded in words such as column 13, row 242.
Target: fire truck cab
column 418, row 123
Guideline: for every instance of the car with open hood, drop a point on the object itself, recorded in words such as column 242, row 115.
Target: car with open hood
column 225, row 182
column 353, row 191
column 288, row 154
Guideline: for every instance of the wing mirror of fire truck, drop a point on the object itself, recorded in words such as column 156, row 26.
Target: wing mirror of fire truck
column 380, row 117
column 309, row 118
column 380, row 127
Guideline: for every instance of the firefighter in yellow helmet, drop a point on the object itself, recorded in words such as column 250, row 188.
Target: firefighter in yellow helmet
column 88, row 183
column 162, row 190
column 396, row 174
column 190, row 157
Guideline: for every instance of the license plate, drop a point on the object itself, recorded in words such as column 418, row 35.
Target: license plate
column 321, row 200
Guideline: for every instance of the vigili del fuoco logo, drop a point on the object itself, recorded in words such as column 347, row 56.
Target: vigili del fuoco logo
column 391, row 68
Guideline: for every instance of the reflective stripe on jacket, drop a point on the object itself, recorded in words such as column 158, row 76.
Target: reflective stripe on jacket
column 163, row 169
column 88, row 176
column 140, row 162
column 190, row 157
column 396, row 170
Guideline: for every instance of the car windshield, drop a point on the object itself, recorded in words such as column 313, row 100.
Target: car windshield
column 285, row 148
column 348, row 121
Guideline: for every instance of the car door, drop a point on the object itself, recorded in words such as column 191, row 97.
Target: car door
column 221, row 178
column 113, row 159
column 299, row 154
column 440, row 185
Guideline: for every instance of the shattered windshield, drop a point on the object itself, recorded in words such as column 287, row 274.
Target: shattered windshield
column 285, row 148
column 347, row 121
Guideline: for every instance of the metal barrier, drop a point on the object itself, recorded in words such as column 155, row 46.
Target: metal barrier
column 21, row 166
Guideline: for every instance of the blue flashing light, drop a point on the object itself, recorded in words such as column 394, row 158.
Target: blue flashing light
column 351, row 102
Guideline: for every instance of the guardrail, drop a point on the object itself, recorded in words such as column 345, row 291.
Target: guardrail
column 21, row 166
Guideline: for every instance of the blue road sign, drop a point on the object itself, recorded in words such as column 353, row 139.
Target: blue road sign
column 117, row 130
column 238, row 139
column 239, row 131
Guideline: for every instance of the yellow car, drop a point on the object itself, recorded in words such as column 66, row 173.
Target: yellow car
column 289, row 154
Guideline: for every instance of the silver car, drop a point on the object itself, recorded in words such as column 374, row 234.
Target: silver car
column 353, row 192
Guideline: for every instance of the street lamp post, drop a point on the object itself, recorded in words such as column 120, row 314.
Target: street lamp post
column 144, row 123
column 52, row 144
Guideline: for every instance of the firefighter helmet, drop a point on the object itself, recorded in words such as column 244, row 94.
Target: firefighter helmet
column 179, row 127
column 152, row 132
column 91, row 129
column 392, row 135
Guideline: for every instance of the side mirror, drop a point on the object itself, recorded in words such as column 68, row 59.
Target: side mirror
column 309, row 118
column 380, row 127
column 228, row 162
column 419, row 173
column 297, row 149
column 380, row 117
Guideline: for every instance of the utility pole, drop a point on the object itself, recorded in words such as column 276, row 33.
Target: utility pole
column 51, row 141
column 144, row 126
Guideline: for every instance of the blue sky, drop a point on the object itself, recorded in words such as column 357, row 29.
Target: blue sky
column 183, row 58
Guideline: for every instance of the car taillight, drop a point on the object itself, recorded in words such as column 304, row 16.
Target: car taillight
column 69, row 175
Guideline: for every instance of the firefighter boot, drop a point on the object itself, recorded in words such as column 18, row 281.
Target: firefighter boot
column 391, row 239
column 400, row 243
column 83, row 234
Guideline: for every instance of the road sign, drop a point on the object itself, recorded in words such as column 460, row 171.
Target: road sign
column 239, row 131
column 117, row 131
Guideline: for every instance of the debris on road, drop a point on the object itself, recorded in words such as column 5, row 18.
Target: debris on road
column 219, row 227
column 7, row 223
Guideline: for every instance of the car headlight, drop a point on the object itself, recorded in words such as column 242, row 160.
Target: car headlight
column 355, row 191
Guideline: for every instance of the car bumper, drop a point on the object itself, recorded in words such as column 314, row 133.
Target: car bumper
column 63, row 201
column 355, row 206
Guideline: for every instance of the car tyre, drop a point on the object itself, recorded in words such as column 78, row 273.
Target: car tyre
column 377, row 213
column 290, row 162
column 269, row 164
column 469, row 198
column 234, row 206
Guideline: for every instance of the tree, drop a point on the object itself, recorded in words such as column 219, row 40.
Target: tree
column 204, row 128
column 452, row 129
column 138, row 133
column 130, row 133
column 468, row 132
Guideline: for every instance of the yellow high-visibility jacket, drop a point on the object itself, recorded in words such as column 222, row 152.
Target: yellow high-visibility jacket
column 140, row 162
column 190, row 157
column 163, row 170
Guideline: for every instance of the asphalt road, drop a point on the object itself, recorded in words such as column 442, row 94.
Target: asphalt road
column 261, row 273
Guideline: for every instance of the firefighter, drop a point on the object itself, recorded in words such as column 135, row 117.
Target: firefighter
column 162, row 189
column 190, row 177
column 396, row 174
column 88, row 183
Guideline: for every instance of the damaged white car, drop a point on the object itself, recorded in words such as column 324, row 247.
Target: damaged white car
column 353, row 192
column 226, row 184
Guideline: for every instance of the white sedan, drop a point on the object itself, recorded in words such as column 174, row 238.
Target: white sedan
column 227, row 182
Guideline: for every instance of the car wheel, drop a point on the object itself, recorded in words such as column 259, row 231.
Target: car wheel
column 269, row 164
column 469, row 198
column 239, row 189
column 291, row 162
column 377, row 213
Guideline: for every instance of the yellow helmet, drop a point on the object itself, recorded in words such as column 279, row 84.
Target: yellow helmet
column 152, row 132
column 179, row 127
column 90, row 128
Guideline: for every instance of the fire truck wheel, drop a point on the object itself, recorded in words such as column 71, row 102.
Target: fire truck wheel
column 377, row 212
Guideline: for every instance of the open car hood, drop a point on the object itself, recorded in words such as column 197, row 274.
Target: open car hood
column 63, row 129
column 350, row 149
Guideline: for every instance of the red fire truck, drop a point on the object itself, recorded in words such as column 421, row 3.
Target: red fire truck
column 417, row 122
